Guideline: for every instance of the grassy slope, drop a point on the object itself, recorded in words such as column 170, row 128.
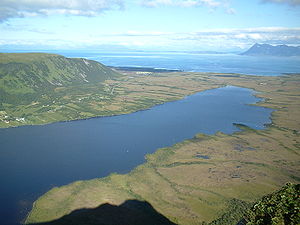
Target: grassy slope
column 188, row 190
column 32, row 72
column 32, row 84
column 37, row 88
column 124, row 94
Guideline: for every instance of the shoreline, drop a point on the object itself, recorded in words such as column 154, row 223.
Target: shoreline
column 260, row 99
column 166, row 159
column 144, row 69
column 142, row 108
column 240, row 128
column 113, row 115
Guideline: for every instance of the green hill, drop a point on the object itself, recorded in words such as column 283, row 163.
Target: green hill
column 29, row 73
column 33, row 83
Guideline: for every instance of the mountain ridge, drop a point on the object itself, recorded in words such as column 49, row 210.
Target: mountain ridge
column 38, row 88
column 29, row 72
column 270, row 50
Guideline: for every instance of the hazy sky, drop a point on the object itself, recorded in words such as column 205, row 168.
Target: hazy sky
column 148, row 24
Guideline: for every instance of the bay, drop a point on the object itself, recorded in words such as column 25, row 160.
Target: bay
column 192, row 62
column 33, row 159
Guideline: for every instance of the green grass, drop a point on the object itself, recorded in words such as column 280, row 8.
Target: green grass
column 42, row 88
column 190, row 190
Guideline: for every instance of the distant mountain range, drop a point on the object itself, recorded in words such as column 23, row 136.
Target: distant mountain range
column 270, row 50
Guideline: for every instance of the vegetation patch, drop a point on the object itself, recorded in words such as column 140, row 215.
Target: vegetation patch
column 280, row 207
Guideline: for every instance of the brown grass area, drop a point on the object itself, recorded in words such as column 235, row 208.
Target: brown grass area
column 188, row 190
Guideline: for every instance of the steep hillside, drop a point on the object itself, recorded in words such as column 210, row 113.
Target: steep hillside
column 23, row 73
column 36, row 88
column 270, row 50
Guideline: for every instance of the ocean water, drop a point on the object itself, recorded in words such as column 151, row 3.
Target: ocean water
column 219, row 63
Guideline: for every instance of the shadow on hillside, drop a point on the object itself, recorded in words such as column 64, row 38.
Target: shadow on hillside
column 131, row 212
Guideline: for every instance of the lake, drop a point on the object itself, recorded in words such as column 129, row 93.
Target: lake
column 219, row 63
column 33, row 159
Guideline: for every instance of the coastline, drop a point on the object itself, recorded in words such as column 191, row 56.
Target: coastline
column 167, row 161
column 120, row 106
column 113, row 115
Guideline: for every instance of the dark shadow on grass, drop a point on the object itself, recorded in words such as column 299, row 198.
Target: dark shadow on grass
column 131, row 212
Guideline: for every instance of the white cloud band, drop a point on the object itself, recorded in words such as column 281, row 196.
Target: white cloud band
column 22, row 8
column 211, row 39
column 247, row 36
column 182, row 3
column 211, row 4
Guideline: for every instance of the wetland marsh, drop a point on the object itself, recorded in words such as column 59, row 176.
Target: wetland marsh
column 198, row 174
column 238, row 169
column 60, row 153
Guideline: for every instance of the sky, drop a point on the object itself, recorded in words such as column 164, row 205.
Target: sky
column 174, row 25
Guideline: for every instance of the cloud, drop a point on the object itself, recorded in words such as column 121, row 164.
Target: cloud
column 141, row 34
column 23, row 8
column 290, row 2
column 245, row 37
column 210, row 39
column 215, row 39
column 182, row 3
column 211, row 4
column 231, row 11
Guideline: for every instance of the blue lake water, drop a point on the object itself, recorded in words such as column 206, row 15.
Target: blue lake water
column 220, row 63
column 33, row 159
